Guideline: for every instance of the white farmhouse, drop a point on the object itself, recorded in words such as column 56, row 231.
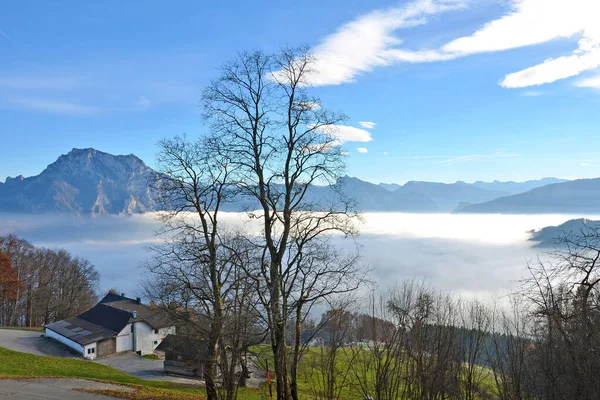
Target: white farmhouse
column 114, row 325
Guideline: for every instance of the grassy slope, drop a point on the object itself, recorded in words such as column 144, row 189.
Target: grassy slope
column 14, row 364
column 23, row 365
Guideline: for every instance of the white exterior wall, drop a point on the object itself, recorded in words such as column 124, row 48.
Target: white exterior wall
column 162, row 333
column 143, row 337
column 146, row 340
column 90, row 354
column 125, row 340
column 66, row 341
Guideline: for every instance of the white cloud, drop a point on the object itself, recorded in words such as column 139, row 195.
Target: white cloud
column 345, row 133
column 144, row 103
column 532, row 93
column 369, row 41
column 55, row 106
column 593, row 83
column 553, row 70
column 451, row 160
column 533, row 22
column 367, row 124
column 362, row 150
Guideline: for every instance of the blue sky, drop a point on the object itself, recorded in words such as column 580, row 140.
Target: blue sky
column 455, row 89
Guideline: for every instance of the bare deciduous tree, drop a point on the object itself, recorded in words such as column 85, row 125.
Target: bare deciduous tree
column 281, row 142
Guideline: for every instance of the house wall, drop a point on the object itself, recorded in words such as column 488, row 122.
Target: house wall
column 66, row 341
column 146, row 339
column 161, row 335
column 106, row 347
column 90, row 351
column 143, row 337
column 125, row 339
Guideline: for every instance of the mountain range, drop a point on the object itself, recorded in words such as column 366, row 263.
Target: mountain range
column 578, row 196
column 84, row 181
column 550, row 235
column 88, row 181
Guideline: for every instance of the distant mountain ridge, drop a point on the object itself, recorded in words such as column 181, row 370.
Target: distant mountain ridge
column 85, row 181
column 548, row 236
column 450, row 196
column 577, row 196
column 88, row 181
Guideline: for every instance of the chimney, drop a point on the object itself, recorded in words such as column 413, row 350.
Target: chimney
column 138, row 300
column 134, row 314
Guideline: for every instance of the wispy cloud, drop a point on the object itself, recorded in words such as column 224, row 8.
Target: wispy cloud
column 144, row 103
column 367, row 124
column 460, row 159
column 589, row 165
column 369, row 41
column 9, row 39
column 593, row 83
column 472, row 157
column 362, row 150
column 533, row 93
column 55, row 106
column 345, row 133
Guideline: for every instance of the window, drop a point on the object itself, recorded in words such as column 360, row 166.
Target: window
column 156, row 331
column 156, row 342
column 91, row 350
column 131, row 327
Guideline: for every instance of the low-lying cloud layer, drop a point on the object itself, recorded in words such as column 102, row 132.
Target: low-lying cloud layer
column 472, row 254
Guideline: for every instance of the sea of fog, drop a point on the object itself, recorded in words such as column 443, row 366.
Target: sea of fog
column 477, row 254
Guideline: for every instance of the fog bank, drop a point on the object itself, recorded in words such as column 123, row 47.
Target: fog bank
column 471, row 254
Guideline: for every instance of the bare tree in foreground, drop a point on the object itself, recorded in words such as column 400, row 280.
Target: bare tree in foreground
column 281, row 141
column 196, row 275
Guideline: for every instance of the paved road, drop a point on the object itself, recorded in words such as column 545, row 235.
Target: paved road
column 34, row 343
column 53, row 389
column 143, row 368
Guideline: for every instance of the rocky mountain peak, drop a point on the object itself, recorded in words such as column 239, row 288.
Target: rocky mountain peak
column 84, row 181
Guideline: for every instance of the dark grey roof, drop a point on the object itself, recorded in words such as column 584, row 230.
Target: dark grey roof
column 110, row 297
column 80, row 331
column 189, row 347
column 107, row 317
column 152, row 316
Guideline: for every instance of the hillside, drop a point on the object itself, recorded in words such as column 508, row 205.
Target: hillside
column 547, row 237
column 578, row 196
column 448, row 196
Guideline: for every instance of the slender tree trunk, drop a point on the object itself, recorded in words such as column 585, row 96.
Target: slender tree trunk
column 297, row 348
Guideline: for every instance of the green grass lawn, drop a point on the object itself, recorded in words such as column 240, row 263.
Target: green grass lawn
column 14, row 364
